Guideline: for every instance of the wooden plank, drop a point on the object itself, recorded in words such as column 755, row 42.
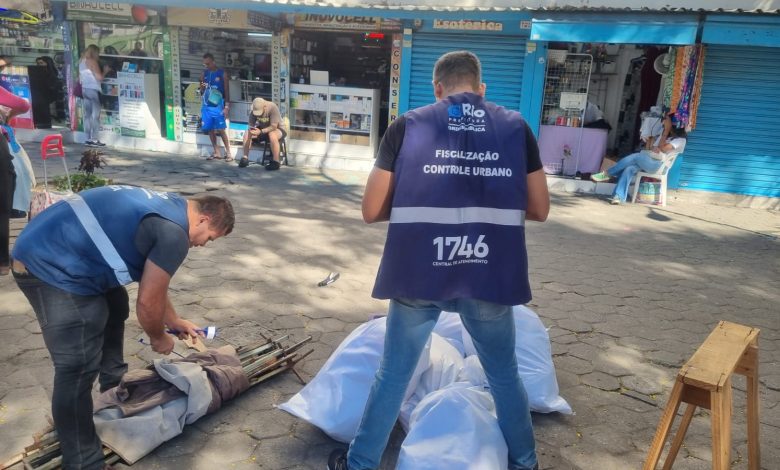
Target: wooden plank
column 750, row 362
column 696, row 396
column 721, row 427
column 657, row 446
column 678, row 438
column 715, row 360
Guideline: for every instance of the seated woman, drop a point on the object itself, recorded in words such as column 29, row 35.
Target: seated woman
column 646, row 160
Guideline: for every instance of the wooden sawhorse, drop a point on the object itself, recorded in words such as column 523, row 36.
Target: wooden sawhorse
column 705, row 381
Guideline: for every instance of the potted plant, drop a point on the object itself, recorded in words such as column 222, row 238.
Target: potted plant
column 91, row 160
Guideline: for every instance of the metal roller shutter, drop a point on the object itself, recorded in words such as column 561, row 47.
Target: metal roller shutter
column 502, row 65
column 735, row 147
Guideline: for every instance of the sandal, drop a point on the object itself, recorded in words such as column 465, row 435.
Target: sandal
column 214, row 157
column 229, row 159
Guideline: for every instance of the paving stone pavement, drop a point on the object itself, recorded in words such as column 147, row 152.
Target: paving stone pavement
column 628, row 293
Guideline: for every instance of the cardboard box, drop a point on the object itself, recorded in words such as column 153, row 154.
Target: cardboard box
column 313, row 136
column 355, row 139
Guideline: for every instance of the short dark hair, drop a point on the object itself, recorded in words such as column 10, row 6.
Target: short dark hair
column 208, row 55
column 219, row 209
column 458, row 68
column 678, row 132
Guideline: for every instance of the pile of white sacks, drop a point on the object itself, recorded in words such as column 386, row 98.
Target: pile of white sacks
column 448, row 412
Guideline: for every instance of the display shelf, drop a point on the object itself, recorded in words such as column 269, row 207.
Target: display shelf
column 346, row 116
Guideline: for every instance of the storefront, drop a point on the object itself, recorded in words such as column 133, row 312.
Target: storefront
column 31, row 41
column 605, row 77
column 131, row 42
column 341, row 69
column 243, row 45
column 499, row 43
column 736, row 146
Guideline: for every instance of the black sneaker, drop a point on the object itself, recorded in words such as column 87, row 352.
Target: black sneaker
column 90, row 143
column 272, row 165
column 243, row 163
column 99, row 143
column 338, row 460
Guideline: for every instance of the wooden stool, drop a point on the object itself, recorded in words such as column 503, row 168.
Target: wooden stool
column 705, row 381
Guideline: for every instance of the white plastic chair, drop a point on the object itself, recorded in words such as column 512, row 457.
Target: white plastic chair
column 661, row 174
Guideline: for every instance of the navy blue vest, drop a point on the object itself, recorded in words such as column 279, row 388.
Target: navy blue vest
column 56, row 248
column 458, row 211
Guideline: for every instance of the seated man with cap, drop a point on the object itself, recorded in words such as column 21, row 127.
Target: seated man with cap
column 265, row 125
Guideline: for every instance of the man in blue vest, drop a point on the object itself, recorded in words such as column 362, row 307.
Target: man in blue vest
column 72, row 261
column 456, row 179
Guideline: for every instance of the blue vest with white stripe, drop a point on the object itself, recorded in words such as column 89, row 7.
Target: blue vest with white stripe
column 458, row 210
column 56, row 248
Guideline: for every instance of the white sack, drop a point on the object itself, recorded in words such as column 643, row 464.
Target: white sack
column 455, row 429
column 534, row 361
column 335, row 399
column 450, row 328
column 445, row 364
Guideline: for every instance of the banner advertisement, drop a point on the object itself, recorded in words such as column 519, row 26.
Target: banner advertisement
column 395, row 77
column 132, row 104
column 345, row 23
column 109, row 12
column 173, row 111
column 221, row 18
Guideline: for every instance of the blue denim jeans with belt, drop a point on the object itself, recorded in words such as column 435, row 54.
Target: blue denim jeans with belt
column 409, row 325
column 84, row 336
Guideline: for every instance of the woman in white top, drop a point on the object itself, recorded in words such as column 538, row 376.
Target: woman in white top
column 90, row 76
column 669, row 144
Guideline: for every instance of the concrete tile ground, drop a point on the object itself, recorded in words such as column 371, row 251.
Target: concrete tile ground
column 628, row 292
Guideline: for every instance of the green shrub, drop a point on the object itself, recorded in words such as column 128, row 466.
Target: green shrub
column 91, row 160
column 80, row 182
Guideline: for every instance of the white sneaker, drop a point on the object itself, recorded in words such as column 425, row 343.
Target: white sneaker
column 615, row 200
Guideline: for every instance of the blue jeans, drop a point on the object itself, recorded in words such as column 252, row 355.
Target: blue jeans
column 84, row 336
column 409, row 325
column 628, row 167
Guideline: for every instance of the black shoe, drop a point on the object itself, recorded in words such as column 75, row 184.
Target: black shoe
column 243, row 163
column 338, row 460
column 272, row 165
column 99, row 143
column 90, row 143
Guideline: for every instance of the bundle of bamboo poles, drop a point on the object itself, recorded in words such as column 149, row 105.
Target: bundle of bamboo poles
column 260, row 361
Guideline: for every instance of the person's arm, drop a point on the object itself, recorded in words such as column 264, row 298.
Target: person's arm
column 538, row 196
column 663, row 145
column 226, row 96
column 185, row 328
column 15, row 104
column 378, row 196
column 152, row 305
column 273, row 122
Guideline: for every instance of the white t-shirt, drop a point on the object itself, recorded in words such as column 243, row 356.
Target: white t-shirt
column 678, row 143
column 86, row 77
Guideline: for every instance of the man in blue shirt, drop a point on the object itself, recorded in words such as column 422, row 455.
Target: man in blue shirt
column 72, row 262
column 216, row 105
column 457, row 180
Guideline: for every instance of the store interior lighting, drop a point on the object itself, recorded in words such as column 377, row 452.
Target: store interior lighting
column 259, row 35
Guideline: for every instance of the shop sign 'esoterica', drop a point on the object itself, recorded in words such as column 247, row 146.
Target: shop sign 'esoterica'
column 468, row 25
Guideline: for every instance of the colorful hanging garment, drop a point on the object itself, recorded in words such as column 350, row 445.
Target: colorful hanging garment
column 687, row 85
column 696, row 90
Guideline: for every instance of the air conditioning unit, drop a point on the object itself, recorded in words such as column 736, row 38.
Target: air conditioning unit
column 231, row 59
